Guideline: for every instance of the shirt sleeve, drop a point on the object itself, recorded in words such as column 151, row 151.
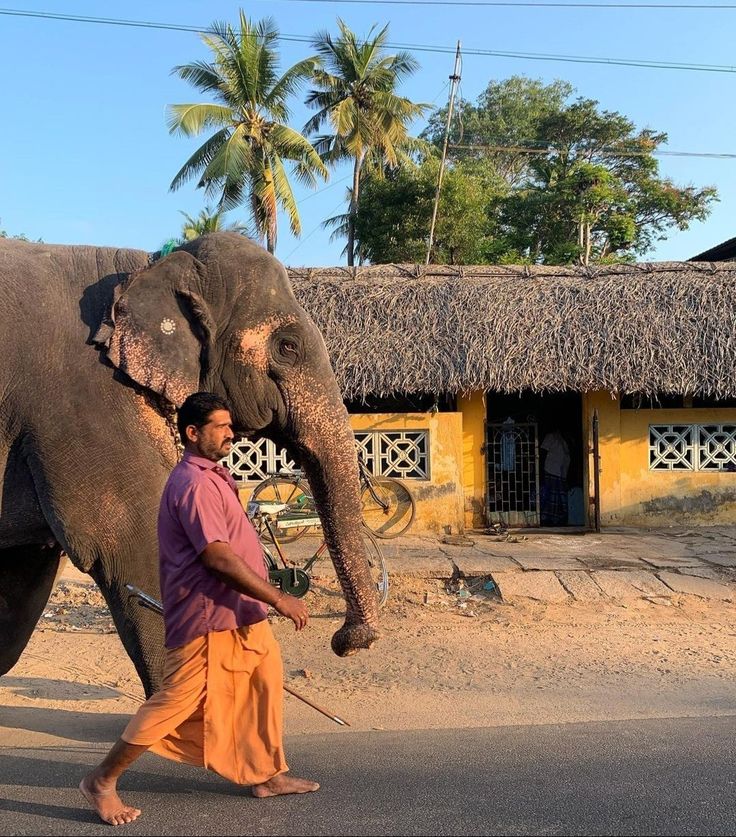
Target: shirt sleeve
column 201, row 514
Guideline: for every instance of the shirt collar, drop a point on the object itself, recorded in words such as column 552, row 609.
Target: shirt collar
column 199, row 460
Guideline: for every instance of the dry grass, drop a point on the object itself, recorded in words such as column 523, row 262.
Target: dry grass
column 660, row 327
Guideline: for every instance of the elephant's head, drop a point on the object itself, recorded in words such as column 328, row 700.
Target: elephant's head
column 219, row 314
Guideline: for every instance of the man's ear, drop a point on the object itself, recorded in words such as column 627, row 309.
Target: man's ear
column 186, row 434
column 160, row 328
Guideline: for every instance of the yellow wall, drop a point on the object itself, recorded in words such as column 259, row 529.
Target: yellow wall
column 473, row 410
column 632, row 495
column 439, row 500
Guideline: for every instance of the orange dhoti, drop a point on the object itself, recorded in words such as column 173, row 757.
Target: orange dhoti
column 220, row 706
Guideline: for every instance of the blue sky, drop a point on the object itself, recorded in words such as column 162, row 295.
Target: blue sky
column 85, row 156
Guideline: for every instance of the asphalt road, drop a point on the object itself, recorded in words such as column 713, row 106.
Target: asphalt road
column 673, row 776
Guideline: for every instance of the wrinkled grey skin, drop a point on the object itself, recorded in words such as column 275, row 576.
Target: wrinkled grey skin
column 96, row 349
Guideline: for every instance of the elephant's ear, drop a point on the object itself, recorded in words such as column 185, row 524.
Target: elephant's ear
column 159, row 328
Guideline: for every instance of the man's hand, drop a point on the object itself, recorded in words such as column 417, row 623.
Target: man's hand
column 293, row 608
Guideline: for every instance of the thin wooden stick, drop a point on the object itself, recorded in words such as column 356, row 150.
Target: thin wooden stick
column 332, row 717
column 155, row 604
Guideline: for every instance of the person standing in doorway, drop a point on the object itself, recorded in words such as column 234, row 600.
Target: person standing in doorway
column 554, row 505
column 220, row 705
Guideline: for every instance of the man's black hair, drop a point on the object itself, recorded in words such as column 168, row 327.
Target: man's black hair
column 196, row 410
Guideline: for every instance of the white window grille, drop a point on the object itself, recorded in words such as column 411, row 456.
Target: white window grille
column 717, row 447
column 395, row 453
column 692, row 447
column 254, row 461
column 401, row 453
column 671, row 447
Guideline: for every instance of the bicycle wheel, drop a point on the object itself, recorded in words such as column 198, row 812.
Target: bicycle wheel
column 377, row 564
column 388, row 507
column 298, row 498
column 268, row 558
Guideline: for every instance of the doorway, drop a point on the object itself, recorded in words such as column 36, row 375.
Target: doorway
column 535, row 460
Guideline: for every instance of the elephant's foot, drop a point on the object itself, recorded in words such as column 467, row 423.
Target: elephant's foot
column 283, row 784
column 105, row 800
column 352, row 637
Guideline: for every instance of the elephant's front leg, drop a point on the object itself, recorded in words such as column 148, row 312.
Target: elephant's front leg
column 140, row 629
column 27, row 574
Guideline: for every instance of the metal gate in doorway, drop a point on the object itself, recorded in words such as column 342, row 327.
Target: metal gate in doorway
column 512, row 457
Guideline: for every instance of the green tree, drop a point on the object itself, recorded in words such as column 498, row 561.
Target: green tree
column 355, row 94
column 567, row 181
column 394, row 214
column 502, row 125
column 209, row 220
column 243, row 160
column 594, row 193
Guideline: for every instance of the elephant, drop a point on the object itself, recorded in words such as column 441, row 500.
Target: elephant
column 98, row 347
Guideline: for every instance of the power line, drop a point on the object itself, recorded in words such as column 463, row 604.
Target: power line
column 520, row 4
column 525, row 149
column 526, row 56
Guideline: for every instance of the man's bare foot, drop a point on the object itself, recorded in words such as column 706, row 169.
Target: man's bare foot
column 107, row 803
column 282, row 784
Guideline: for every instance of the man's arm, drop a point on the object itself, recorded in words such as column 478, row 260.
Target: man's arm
column 222, row 562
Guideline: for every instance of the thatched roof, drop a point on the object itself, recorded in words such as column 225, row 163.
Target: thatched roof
column 663, row 327
column 723, row 252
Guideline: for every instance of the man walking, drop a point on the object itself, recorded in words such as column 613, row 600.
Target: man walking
column 220, row 705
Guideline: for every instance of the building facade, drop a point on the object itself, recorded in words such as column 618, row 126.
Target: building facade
column 540, row 396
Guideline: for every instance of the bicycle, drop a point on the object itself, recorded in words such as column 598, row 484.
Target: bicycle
column 287, row 487
column 387, row 506
column 296, row 580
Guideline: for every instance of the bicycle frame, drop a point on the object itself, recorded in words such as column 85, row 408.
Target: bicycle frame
column 291, row 579
column 310, row 563
column 296, row 580
column 366, row 479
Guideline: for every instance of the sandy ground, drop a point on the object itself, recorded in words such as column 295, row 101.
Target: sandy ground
column 443, row 661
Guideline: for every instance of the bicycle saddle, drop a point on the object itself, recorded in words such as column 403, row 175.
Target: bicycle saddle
column 290, row 472
column 266, row 507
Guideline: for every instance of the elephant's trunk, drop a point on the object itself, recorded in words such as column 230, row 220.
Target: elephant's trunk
column 327, row 448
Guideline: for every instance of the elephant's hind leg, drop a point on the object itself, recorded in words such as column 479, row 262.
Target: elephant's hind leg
column 27, row 575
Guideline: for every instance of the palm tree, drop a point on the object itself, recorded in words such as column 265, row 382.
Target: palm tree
column 209, row 220
column 354, row 92
column 244, row 158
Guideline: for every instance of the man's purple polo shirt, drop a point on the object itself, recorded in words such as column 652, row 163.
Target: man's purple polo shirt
column 200, row 506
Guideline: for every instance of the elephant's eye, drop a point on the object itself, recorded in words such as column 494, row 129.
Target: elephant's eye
column 288, row 348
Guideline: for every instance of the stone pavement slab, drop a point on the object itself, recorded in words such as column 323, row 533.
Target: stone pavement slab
column 540, row 585
column 552, row 562
column 609, row 562
column 646, row 546
column 591, row 567
column 629, row 584
column 665, row 561
column 702, row 572
column 472, row 562
column 721, row 559
column 431, row 563
column 703, row 587
column 580, row 586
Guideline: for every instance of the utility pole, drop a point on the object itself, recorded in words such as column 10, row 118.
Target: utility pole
column 454, row 78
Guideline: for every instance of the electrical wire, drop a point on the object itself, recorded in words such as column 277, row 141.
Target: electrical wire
column 525, row 149
column 522, row 4
column 575, row 59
